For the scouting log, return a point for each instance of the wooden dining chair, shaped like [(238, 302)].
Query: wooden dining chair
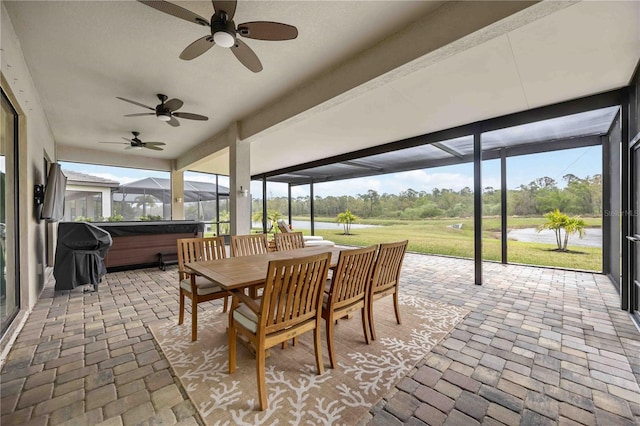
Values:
[(386, 278), (283, 227), (290, 306), (286, 229), (247, 245), (348, 291), (197, 288), (289, 241)]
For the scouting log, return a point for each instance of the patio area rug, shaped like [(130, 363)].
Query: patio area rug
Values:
[(297, 396)]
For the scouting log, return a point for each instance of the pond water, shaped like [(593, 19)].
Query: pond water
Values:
[(305, 224), (592, 237)]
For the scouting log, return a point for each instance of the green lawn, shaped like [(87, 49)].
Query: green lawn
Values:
[(434, 236)]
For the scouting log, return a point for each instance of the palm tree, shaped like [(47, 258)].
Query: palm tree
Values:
[(558, 222), (272, 219), (573, 225), (223, 222), (142, 201), (346, 218)]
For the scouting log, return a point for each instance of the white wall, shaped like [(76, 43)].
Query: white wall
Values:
[(35, 143), (104, 191)]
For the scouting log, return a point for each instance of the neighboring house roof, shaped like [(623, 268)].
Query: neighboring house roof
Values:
[(83, 179)]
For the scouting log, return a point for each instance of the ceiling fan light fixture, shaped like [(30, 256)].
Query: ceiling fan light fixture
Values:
[(164, 117), (223, 38)]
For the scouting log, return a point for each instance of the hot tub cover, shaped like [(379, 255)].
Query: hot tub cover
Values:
[(80, 254), (127, 229)]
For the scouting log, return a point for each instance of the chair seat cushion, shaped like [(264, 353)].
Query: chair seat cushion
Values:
[(315, 243), (246, 317), (203, 285)]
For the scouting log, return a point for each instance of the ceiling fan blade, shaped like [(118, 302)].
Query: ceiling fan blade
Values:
[(174, 104), (177, 11), (117, 143), (197, 48), (246, 56), (155, 143), (225, 6), (140, 114), (135, 103), (130, 141), (190, 116), (173, 122), (153, 147), (263, 30)]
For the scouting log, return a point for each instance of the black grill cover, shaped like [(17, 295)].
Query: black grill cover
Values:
[(80, 254)]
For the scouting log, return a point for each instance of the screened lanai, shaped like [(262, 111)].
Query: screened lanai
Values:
[(587, 122), (153, 196)]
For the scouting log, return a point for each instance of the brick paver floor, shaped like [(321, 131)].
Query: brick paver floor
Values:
[(540, 346)]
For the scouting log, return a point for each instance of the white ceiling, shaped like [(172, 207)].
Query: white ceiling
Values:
[(342, 85)]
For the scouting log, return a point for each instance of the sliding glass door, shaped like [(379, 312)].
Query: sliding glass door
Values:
[(634, 228), (9, 283)]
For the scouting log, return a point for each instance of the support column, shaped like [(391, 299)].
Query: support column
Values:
[(264, 205), (177, 194), (626, 287), (289, 210), (312, 208), (239, 179), (217, 218), (477, 206), (106, 202), (503, 204)]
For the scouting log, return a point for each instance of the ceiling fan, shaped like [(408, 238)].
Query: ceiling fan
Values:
[(224, 32), (136, 143), (166, 110)]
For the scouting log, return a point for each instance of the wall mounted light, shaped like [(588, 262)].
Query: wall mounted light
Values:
[(243, 192), (38, 194)]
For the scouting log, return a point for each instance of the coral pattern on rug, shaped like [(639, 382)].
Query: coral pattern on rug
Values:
[(297, 395)]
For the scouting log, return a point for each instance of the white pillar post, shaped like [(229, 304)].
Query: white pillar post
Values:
[(177, 194), (239, 181)]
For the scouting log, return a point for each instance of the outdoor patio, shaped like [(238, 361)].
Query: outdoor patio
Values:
[(540, 346)]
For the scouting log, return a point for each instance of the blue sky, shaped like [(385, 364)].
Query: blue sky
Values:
[(581, 162)]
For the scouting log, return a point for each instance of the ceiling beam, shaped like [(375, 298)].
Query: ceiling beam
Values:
[(203, 151), (454, 27), (362, 165), (93, 156), (447, 149)]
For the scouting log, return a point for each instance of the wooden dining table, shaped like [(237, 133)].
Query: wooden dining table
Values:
[(237, 273)]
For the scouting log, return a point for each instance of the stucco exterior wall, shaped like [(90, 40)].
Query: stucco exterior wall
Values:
[(35, 144)]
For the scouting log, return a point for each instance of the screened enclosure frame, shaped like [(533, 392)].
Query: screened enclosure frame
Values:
[(475, 142), (160, 188)]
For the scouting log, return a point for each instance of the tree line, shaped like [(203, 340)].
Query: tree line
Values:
[(580, 196)]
